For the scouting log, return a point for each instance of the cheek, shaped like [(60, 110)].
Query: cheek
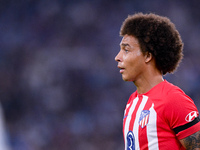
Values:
[(131, 60), (138, 54), (136, 65)]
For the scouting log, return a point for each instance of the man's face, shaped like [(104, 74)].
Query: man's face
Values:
[(130, 58)]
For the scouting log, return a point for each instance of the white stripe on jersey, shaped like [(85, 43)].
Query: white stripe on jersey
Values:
[(136, 124), (152, 130), (151, 127), (126, 128), (126, 109)]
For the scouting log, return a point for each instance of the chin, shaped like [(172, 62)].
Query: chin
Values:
[(125, 79)]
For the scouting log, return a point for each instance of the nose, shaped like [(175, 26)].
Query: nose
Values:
[(118, 57)]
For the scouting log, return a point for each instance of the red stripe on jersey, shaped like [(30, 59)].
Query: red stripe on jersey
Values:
[(134, 114), (143, 142), (126, 115)]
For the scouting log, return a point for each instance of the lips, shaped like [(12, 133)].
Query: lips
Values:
[(121, 69)]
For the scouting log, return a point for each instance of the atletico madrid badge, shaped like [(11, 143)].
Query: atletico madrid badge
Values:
[(144, 118)]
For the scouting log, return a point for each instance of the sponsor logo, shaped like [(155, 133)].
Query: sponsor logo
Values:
[(144, 118), (130, 141), (191, 116)]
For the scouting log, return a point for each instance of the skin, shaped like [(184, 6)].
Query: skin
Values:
[(140, 68), (137, 67), (192, 142)]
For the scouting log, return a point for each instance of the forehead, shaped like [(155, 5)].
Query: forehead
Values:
[(129, 40)]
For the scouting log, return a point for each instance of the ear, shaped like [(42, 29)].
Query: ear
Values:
[(148, 57)]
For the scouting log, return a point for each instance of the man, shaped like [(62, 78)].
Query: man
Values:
[(158, 115)]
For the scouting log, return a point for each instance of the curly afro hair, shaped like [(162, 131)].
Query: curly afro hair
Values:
[(158, 36)]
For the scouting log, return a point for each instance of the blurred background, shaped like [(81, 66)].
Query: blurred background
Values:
[(60, 88)]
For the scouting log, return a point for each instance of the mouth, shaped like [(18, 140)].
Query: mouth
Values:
[(121, 69)]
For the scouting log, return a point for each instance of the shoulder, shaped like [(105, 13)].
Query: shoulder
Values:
[(172, 94), (174, 98), (174, 104), (164, 91), (172, 89), (177, 106)]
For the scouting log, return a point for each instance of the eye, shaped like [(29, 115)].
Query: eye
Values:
[(126, 51)]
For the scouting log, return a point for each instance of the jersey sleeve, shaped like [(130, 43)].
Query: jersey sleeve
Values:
[(181, 114)]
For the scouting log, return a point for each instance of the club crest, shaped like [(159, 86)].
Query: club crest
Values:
[(144, 118)]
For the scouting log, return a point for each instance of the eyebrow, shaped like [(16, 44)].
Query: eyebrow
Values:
[(124, 45)]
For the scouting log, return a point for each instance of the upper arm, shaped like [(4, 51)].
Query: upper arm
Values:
[(192, 142)]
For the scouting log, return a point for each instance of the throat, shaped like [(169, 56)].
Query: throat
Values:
[(146, 85)]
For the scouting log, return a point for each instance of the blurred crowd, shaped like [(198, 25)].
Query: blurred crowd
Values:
[(60, 88)]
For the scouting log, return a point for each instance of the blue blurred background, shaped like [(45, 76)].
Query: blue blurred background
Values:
[(60, 87)]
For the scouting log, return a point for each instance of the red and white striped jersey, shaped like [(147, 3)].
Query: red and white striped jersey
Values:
[(158, 119)]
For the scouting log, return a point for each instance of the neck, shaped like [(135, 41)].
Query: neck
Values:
[(147, 82)]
